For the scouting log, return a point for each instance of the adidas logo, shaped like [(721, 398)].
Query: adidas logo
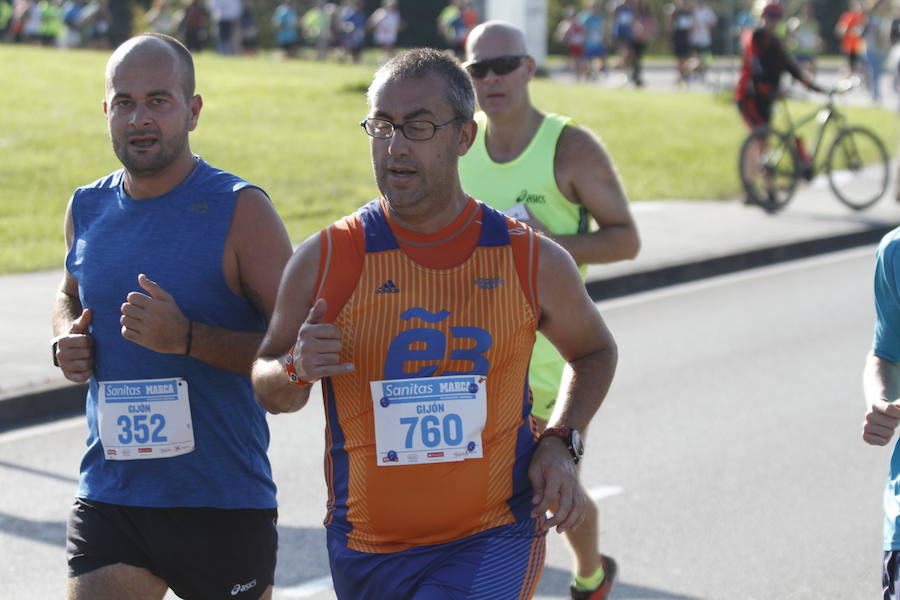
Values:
[(388, 287)]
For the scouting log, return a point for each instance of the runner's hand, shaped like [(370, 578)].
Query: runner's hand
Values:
[(317, 353), (881, 421), (154, 321), (75, 350), (556, 487)]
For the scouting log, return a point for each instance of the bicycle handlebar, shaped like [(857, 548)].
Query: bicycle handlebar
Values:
[(845, 85)]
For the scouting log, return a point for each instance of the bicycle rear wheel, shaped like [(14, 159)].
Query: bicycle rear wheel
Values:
[(857, 167), (768, 166)]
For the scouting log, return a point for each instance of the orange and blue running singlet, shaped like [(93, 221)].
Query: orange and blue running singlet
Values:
[(451, 470), (404, 321)]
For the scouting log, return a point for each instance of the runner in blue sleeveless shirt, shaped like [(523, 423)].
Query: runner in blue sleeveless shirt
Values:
[(171, 275)]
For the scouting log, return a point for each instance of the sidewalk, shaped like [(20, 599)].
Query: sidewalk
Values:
[(682, 241)]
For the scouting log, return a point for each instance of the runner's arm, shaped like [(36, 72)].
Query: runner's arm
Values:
[(67, 305), (73, 345), (571, 322), (262, 248), (586, 175), (881, 387), (793, 68), (881, 375), (256, 249), (297, 327)]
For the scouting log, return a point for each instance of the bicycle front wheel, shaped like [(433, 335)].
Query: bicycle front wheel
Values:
[(768, 167), (857, 167)]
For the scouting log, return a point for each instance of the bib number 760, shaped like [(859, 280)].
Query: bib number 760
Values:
[(433, 431)]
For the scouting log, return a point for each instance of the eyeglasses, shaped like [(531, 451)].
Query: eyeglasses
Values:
[(416, 131), (500, 66)]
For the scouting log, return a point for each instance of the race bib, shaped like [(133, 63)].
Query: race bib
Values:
[(145, 418), (518, 211), (429, 419)]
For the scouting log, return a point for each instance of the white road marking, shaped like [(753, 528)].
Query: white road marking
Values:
[(604, 491), (646, 207), (304, 590)]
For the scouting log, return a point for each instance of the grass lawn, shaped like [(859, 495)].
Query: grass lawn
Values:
[(291, 127)]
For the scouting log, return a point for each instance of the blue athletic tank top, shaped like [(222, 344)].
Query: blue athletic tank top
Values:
[(177, 240)]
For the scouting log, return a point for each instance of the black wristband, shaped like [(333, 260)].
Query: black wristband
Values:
[(190, 337), (53, 347)]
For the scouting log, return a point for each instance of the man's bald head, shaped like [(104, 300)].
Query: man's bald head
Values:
[(498, 38), (158, 50)]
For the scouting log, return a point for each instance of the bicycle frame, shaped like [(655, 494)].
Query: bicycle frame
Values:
[(824, 114)]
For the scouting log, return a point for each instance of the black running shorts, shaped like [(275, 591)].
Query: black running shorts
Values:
[(754, 111), (199, 552), (890, 578)]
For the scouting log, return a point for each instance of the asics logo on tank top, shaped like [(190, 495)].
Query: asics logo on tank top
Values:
[(524, 196)]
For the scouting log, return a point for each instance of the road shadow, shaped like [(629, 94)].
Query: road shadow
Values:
[(41, 472), (555, 582), (302, 555), (47, 532)]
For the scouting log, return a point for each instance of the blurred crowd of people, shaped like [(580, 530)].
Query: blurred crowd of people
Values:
[(602, 35), (870, 40), (622, 29), (597, 35), (228, 26), (72, 23)]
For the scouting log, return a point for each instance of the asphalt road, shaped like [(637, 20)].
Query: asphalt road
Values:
[(727, 461)]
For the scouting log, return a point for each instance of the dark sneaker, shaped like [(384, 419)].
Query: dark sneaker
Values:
[(606, 586)]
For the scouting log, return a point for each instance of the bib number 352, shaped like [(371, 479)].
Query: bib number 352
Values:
[(146, 418)]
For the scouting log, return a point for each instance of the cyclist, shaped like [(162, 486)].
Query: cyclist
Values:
[(765, 60)]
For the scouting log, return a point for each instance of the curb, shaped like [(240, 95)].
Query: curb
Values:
[(45, 403), (644, 281)]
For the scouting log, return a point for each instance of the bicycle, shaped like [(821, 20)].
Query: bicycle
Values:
[(772, 161)]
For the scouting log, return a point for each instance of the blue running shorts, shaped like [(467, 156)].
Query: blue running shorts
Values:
[(500, 563)]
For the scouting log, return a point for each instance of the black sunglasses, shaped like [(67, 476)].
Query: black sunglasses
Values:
[(500, 66)]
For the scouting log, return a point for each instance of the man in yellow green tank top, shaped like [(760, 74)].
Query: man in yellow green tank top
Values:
[(557, 177)]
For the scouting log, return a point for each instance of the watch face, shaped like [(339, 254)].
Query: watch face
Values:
[(577, 444)]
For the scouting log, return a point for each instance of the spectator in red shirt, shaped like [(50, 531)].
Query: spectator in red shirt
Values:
[(849, 29)]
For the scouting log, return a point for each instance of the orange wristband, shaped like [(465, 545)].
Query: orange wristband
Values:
[(291, 371)]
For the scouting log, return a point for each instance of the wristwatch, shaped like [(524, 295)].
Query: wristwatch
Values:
[(570, 436), (54, 343)]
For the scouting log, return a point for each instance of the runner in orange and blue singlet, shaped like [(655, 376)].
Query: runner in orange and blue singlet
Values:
[(418, 313), (401, 318)]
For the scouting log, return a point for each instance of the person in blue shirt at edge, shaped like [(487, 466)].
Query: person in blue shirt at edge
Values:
[(171, 274), (881, 388)]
